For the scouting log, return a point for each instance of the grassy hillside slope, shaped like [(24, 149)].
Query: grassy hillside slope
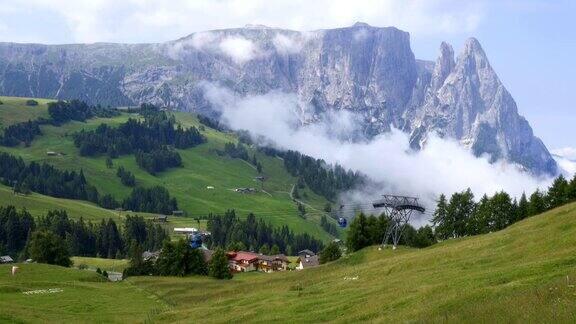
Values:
[(77, 296), (38, 205), (203, 167), (524, 273), (14, 110)]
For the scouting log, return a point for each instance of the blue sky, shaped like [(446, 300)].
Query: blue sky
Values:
[(531, 44)]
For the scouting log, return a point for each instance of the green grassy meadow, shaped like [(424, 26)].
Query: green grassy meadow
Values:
[(80, 296), (203, 168), (13, 110), (523, 274), (117, 265)]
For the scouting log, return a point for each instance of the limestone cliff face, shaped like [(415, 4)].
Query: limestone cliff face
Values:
[(368, 70), (466, 100)]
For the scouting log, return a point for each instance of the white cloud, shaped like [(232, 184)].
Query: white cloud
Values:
[(565, 152), (568, 166), (239, 49), (566, 159), (3, 27), (203, 39), (443, 166), (147, 20), (286, 44)]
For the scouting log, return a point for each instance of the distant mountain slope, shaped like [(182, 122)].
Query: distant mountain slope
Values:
[(368, 70), (204, 184)]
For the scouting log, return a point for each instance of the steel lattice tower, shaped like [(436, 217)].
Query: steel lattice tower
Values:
[(398, 210)]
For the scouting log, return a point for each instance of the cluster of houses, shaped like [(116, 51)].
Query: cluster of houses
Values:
[(248, 261), (243, 261)]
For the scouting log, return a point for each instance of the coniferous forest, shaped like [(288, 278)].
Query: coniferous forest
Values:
[(325, 180), (48, 180), (256, 235), (462, 216), (60, 112), (106, 239), (151, 140)]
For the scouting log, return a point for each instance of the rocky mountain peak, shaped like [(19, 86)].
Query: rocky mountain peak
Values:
[(472, 46), (369, 71), (444, 65), (473, 56), (361, 24)]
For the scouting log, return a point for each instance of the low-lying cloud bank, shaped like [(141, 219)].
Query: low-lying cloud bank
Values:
[(443, 166), (566, 159)]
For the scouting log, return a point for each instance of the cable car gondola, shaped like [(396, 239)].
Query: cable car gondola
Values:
[(196, 240), (342, 222)]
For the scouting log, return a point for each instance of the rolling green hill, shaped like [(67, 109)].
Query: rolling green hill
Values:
[(525, 273), (202, 168)]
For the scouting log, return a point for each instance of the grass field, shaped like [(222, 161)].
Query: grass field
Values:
[(38, 205), (525, 273), (117, 265), (13, 110), (203, 167), (78, 296)]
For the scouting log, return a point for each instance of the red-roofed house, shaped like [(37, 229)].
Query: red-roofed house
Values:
[(242, 261)]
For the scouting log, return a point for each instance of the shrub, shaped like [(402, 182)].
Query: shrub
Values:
[(47, 247), (330, 253), (31, 102), (219, 265)]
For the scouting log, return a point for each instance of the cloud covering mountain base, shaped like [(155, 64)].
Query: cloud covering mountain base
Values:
[(442, 166)]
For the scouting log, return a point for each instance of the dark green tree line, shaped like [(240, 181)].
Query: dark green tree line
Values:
[(255, 233), (462, 216)]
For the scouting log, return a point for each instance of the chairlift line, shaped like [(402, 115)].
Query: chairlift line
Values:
[(398, 210)]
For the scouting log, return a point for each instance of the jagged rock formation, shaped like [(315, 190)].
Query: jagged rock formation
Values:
[(368, 70)]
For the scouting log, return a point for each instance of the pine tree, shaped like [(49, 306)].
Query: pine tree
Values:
[(501, 211), (440, 219), (571, 192), (460, 209), (219, 268), (480, 222), (557, 193), (537, 204), (523, 206), (357, 234)]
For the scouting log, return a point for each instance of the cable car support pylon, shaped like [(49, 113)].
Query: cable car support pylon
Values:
[(398, 210)]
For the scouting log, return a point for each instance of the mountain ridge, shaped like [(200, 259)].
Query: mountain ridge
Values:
[(370, 71)]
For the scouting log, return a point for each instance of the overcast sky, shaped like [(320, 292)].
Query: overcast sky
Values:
[(531, 43)]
